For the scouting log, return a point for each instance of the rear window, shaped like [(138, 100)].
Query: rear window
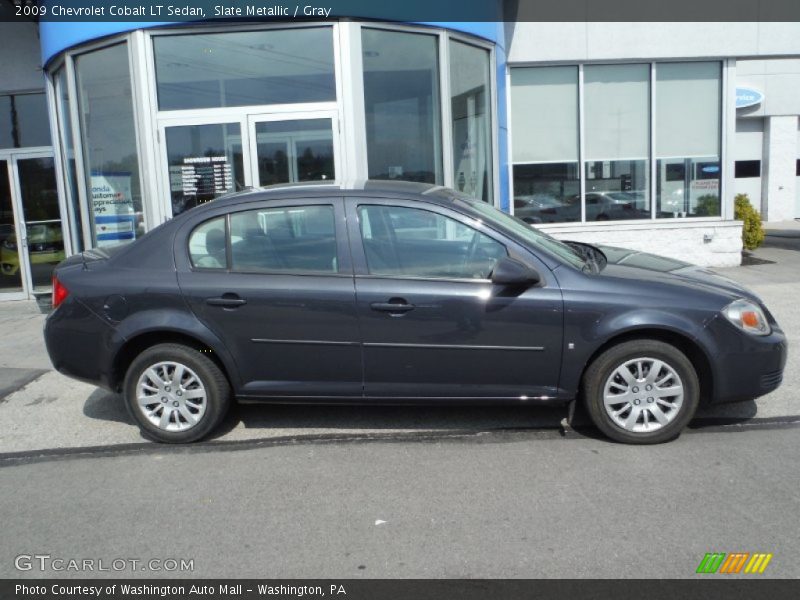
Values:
[(295, 239), (207, 246)]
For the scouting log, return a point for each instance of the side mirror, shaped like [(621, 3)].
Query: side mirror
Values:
[(511, 272)]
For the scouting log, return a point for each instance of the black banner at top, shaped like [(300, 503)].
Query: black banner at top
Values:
[(166, 11)]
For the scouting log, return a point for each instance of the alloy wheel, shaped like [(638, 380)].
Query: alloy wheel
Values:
[(643, 395), (171, 396)]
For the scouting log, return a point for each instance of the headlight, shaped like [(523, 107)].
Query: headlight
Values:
[(747, 316)]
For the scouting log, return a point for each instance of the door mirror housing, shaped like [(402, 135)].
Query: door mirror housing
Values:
[(511, 272)]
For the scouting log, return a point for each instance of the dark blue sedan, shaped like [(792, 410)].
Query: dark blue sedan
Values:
[(389, 292)]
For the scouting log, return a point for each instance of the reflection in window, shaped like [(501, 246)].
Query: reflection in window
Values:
[(617, 124), (402, 106), (544, 112), (10, 276), (207, 245), (39, 196), (205, 162), (298, 239), (24, 121), (688, 139), (410, 242), (244, 68), (472, 139), (109, 145), (294, 150), (68, 152)]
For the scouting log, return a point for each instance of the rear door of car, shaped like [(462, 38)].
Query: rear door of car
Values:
[(432, 323), (274, 281)]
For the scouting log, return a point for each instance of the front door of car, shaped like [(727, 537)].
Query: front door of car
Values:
[(275, 283), (432, 323)]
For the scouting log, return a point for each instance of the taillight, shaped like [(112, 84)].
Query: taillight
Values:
[(60, 293)]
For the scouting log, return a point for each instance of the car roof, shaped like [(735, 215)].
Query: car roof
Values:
[(365, 187)]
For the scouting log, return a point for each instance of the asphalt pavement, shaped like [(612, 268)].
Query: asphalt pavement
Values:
[(525, 504)]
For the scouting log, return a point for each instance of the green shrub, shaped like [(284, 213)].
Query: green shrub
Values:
[(753, 230)]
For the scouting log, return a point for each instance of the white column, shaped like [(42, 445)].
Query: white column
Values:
[(778, 179)]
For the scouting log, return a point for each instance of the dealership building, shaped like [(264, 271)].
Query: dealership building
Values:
[(637, 135)]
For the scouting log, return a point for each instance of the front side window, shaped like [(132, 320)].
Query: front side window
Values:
[(207, 245), (294, 239), (409, 242)]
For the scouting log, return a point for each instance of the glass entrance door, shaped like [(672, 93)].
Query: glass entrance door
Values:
[(31, 235), (208, 157), (292, 150)]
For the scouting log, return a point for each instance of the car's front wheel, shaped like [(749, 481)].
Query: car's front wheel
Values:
[(175, 393), (641, 392)]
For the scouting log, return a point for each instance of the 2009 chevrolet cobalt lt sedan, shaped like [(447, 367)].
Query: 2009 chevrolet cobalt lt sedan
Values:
[(400, 293)]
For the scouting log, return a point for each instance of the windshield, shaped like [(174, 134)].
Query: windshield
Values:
[(535, 237)]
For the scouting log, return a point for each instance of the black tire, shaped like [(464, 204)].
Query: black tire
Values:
[(217, 391), (599, 372)]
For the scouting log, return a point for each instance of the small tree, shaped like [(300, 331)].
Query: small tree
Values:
[(752, 230)]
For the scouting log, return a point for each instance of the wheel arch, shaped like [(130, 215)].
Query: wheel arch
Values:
[(134, 346), (693, 351)]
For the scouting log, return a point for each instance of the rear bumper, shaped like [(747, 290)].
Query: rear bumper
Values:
[(78, 342), (747, 366)]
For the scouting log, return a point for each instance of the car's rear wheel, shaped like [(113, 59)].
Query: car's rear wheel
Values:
[(175, 393), (641, 392)]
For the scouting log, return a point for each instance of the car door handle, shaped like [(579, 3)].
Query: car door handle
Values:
[(392, 307), (227, 301)]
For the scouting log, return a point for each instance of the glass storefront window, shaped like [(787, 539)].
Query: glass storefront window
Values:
[(110, 156), (245, 68), (617, 125), (10, 275), (294, 150), (544, 113), (471, 117), (402, 105), (24, 121), (688, 139), (205, 161), (68, 150)]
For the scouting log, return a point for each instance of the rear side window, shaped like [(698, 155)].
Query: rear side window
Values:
[(295, 239), (410, 242), (207, 246)]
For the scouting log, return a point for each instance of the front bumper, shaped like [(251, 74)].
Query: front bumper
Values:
[(746, 366)]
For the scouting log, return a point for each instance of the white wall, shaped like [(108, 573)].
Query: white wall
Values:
[(778, 171), (709, 244), (20, 68), (540, 41), (777, 78)]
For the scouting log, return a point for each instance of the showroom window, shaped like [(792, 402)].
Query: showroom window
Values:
[(614, 124), (544, 105), (402, 105), (24, 121), (470, 102), (110, 154), (68, 149), (688, 139), (282, 66)]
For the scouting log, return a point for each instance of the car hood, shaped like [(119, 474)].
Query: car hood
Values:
[(670, 269)]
